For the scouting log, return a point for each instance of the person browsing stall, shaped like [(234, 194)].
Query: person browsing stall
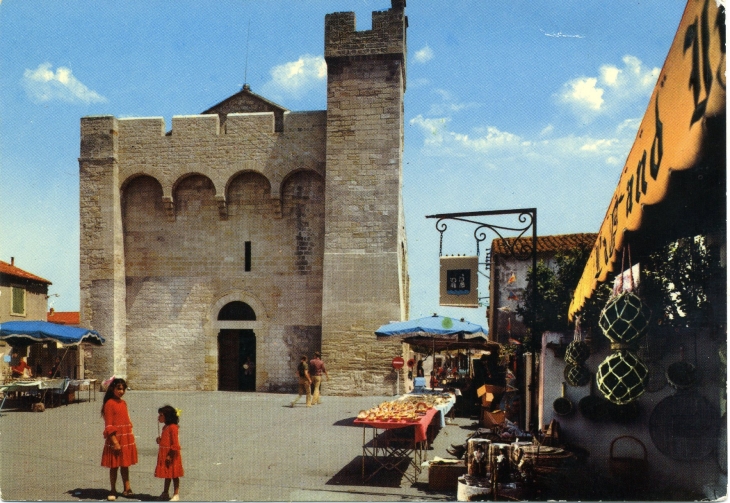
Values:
[(305, 382), (316, 369), (56, 368), (22, 369)]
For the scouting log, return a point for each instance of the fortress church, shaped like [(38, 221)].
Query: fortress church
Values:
[(215, 254)]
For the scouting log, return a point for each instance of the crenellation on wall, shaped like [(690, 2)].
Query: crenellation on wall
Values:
[(195, 126), (386, 37), (141, 127)]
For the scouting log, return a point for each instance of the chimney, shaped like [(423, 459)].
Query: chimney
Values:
[(12, 261)]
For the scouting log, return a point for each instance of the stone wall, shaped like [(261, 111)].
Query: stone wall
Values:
[(101, 242), (364, 281)]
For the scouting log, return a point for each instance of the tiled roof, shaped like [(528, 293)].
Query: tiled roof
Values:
[(64, 317), (548, 243), (11, 270)]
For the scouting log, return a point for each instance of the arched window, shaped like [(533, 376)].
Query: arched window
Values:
[(237, 310)]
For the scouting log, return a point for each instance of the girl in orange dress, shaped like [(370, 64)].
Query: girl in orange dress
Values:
[(169, 463), (120, 450)]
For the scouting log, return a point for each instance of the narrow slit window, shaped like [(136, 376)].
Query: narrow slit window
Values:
[(247, 256)]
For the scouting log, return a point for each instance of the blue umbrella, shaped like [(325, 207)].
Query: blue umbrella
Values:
[(24, 333), (432, 326)]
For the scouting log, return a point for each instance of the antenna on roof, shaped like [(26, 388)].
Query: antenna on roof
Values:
[(245, 69)]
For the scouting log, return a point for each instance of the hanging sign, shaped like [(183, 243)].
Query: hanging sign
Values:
[(458, 281)]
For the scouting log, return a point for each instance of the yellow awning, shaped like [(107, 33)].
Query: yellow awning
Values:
[(672, 135)]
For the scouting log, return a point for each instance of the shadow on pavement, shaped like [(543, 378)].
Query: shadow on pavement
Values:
[(101, 495), (351, 474), (346, 422)]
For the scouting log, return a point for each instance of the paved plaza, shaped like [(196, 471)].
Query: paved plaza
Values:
[(236, 446)]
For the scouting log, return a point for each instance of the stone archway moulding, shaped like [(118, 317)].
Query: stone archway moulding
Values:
[(252, 301), (212, 326)]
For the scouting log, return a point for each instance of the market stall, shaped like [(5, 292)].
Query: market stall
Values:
[(32, 386), (447, 336), (21, 334), (401, 431)]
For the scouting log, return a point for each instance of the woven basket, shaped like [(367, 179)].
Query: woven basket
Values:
[(628, 470)]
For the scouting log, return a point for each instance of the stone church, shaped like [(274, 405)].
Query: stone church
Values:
[(214, 254)]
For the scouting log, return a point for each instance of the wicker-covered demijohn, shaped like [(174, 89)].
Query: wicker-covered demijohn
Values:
[(577, 375), (621, 377), (625, 318)]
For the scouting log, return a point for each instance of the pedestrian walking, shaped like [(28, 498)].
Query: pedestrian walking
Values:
[(169, 461), (305, 381), (120, 450), (316, 369)]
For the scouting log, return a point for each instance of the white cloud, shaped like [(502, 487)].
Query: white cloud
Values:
[(560, 34), (614, 91), (423, 55), (609, 75), (448, 104), (44, 84), (583, 93), (630, 126), (433, 129), (494, 147), (596, 145), (488, 139), (295, 78), (547, 130)]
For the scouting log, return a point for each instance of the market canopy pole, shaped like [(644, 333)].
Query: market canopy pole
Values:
[(686, 108)]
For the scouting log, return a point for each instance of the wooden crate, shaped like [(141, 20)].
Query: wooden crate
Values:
[(444, 477), (487, 393), (492, 418)]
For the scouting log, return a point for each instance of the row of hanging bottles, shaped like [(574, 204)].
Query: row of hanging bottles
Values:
[(621, 377)]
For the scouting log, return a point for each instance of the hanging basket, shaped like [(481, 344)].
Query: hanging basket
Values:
[(629, 470), (577, 352), (625, 318), (621, 377), (577, 375)]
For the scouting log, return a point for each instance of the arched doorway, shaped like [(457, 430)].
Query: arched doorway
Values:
[(236, 350)]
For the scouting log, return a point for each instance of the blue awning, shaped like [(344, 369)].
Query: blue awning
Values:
[(23, 333), (431, 326)]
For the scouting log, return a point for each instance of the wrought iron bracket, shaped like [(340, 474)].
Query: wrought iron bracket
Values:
[(519, 249)]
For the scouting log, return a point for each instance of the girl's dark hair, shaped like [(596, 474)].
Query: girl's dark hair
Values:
[(110, 391), (170, 414)]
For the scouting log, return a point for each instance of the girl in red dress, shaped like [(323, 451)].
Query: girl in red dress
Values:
[(120, 450), (169, 463)]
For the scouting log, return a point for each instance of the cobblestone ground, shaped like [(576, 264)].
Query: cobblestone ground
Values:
[(236, 446)]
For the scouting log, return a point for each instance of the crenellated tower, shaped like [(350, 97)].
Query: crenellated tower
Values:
[(365, 273)]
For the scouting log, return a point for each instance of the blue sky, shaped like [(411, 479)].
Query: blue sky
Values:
[(508, 104)]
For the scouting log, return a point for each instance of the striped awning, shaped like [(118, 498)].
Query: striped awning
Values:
[(688, 101)]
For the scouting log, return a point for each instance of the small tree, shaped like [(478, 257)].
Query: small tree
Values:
[(554, 292), (675, 282)]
